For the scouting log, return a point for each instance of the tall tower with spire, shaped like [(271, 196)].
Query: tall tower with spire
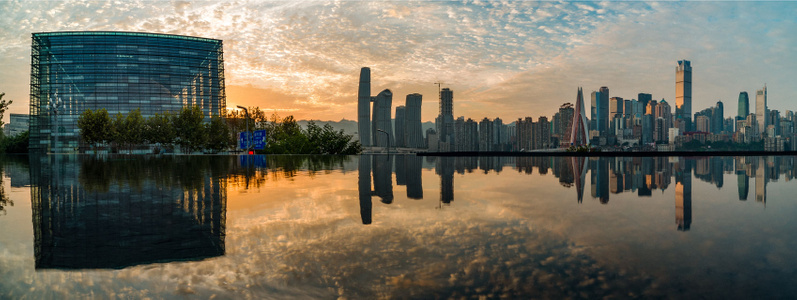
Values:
[(683, 93), (578, 131)]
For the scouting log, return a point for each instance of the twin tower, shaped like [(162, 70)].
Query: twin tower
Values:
[(378, 132)]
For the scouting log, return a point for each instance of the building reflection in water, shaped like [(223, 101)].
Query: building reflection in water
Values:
[(607, 176), (115, 212)]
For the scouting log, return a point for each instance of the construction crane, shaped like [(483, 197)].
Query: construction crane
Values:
[(438, 88)]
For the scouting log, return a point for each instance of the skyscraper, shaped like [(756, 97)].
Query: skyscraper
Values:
[(683, 93), (414, 130), (364, 107), (578, 132), (744, 106), (401, 126), (761, 113), (603, 110), (644, 98), (445, 121), (717, 118), (382, 104)]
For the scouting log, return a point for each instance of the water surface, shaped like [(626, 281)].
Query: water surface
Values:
[(397, 227)]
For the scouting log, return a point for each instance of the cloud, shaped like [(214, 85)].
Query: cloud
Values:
[(528, 56)]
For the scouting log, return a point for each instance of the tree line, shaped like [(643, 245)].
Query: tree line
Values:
[(188, 129)]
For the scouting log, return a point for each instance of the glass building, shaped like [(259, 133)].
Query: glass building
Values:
[(119, 71)]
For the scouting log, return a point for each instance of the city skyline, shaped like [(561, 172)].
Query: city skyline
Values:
[(507, 60)]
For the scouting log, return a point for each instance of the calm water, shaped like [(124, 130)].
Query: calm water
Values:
[(397, 227)]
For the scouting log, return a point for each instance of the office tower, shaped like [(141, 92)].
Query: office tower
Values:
[(485, 134), (401, 126), (717, 118), (651, 108), (615, 107), (603, 110), (364, 107), (683, 93), (647, 128), (761, 109), (773, 117), (628, 108), (644, 98), (120, 72), (593, 114), (578, 132), (664, 111), (382, 129), (744, 106), (414, 130)]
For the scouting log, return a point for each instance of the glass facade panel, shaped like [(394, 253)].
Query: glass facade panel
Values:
[(118, 71)]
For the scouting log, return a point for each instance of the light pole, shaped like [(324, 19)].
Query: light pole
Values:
[(388, 139), (248, 135)]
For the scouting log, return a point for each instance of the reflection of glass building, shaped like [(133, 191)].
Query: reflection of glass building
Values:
[(118, 71), (94, 213)]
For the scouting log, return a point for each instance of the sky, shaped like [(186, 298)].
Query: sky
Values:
[(507, 59)]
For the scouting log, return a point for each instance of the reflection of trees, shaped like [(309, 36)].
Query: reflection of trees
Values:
[(5, 201)]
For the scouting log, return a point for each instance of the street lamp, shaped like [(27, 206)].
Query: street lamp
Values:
[(248, 135), (388, 139)]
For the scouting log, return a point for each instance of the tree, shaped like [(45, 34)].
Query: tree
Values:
[(134, 128), (94, 126), (159, 129), (115, 135), (4, 105), (218, 135), (190, 129)]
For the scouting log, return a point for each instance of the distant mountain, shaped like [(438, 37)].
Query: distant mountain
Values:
[(350, 127)]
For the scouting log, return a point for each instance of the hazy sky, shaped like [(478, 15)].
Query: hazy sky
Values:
[(506, 59)]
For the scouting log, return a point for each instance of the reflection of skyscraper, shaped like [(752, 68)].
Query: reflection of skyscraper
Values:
[(413, 166), (599, 173), (761, 182), (579, 168), (364, 107), (683, 195), (445, 168), (126, 212), (743, 182), (364, 187), (578, 132), (383, 177)]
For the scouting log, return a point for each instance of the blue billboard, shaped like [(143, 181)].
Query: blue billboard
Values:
[(259, 139)]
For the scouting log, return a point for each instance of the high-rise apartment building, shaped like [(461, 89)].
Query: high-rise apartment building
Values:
[(761, 109), (683, 93), (445, 120), (401, 126), (414, 130)]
